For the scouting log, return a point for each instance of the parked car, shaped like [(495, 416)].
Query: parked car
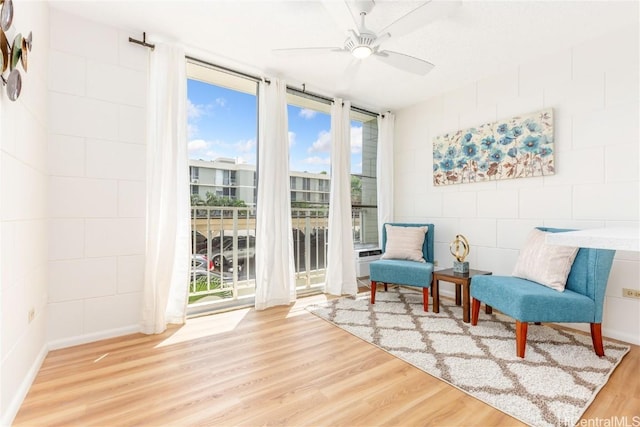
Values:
[(198, 243), (201, 262), (222, 251), (200, 266)]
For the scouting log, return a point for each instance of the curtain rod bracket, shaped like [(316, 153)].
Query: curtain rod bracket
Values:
[(142, 42)]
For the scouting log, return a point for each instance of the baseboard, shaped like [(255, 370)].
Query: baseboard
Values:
[(606, 332), (21, 393), (584, 327), (87, 338), (617, 335), (14, 406)]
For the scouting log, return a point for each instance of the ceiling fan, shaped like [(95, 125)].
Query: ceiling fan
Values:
[(362, 42)]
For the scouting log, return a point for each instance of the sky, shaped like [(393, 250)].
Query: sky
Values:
[(222, 123)]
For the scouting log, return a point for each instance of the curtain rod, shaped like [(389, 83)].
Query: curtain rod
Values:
[(364, 111), (302, 91), (226, 70), (142, 42), (326, 100)]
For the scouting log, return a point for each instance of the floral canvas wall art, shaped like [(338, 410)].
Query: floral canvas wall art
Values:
[(519, 147)]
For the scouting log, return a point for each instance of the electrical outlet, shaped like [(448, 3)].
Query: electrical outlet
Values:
[(32, 314), (435, 263), (630, 293)]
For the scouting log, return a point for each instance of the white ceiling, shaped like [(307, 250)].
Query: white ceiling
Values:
[(478, 39)]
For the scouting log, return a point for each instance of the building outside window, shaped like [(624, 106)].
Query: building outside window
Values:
[(194, 173)]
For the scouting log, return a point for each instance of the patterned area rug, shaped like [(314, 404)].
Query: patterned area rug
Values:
[(552, 386)]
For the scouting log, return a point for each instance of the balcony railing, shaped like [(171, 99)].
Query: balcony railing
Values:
[(224, 251)]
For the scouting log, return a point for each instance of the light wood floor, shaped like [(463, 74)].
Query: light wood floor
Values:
[(281, 366)]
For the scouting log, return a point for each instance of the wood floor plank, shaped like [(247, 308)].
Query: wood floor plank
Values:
[(282, 366)]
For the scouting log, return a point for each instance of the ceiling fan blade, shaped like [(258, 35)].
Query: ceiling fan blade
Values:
[(307, 50), (404, 62), (379, 39), (341, 14), (424, 14), (349, 76)]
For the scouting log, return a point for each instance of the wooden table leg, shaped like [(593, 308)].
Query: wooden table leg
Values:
[(465, 302), (435, 293), (457, 293)]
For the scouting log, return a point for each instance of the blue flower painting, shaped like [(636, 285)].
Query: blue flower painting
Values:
[(518, 147)]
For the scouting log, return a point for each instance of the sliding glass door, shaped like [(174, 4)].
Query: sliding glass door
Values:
[(223, 126)]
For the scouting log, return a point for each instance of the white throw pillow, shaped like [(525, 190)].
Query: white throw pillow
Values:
[(405, 242), (546, 264)]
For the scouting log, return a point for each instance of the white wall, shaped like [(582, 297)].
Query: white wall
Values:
[(72, 194), (594, 91), (97, 97), (23, 212)]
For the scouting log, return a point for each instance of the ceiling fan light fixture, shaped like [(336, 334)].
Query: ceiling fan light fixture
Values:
[(361, 52), (360, 45)]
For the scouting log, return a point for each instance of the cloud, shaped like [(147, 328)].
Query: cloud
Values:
[(316, 160), (322, 144), (201, 149), (307, 113), (192, 130), (247, 146), (197, 145), (195, 111), (292, 139)]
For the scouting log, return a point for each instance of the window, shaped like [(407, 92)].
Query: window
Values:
[(194, 172), (323, 184), (222, 136), (222, 146), (364, 196), (309, 145), (222, 133), (309, 164), (310, 156)]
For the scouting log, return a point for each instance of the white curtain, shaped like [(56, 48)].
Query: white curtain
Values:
[(275, 274), (384, 171), (340, 276), (167, 236)]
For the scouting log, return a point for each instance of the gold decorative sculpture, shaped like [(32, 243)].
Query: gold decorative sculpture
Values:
[(461, 246)]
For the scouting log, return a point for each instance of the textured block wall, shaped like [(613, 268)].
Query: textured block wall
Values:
[(97, 98), (593, 88)]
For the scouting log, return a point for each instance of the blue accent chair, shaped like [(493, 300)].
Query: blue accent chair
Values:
[(404, 272), (527, 301)]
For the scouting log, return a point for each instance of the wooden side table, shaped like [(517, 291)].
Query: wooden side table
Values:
[(460, 280)]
